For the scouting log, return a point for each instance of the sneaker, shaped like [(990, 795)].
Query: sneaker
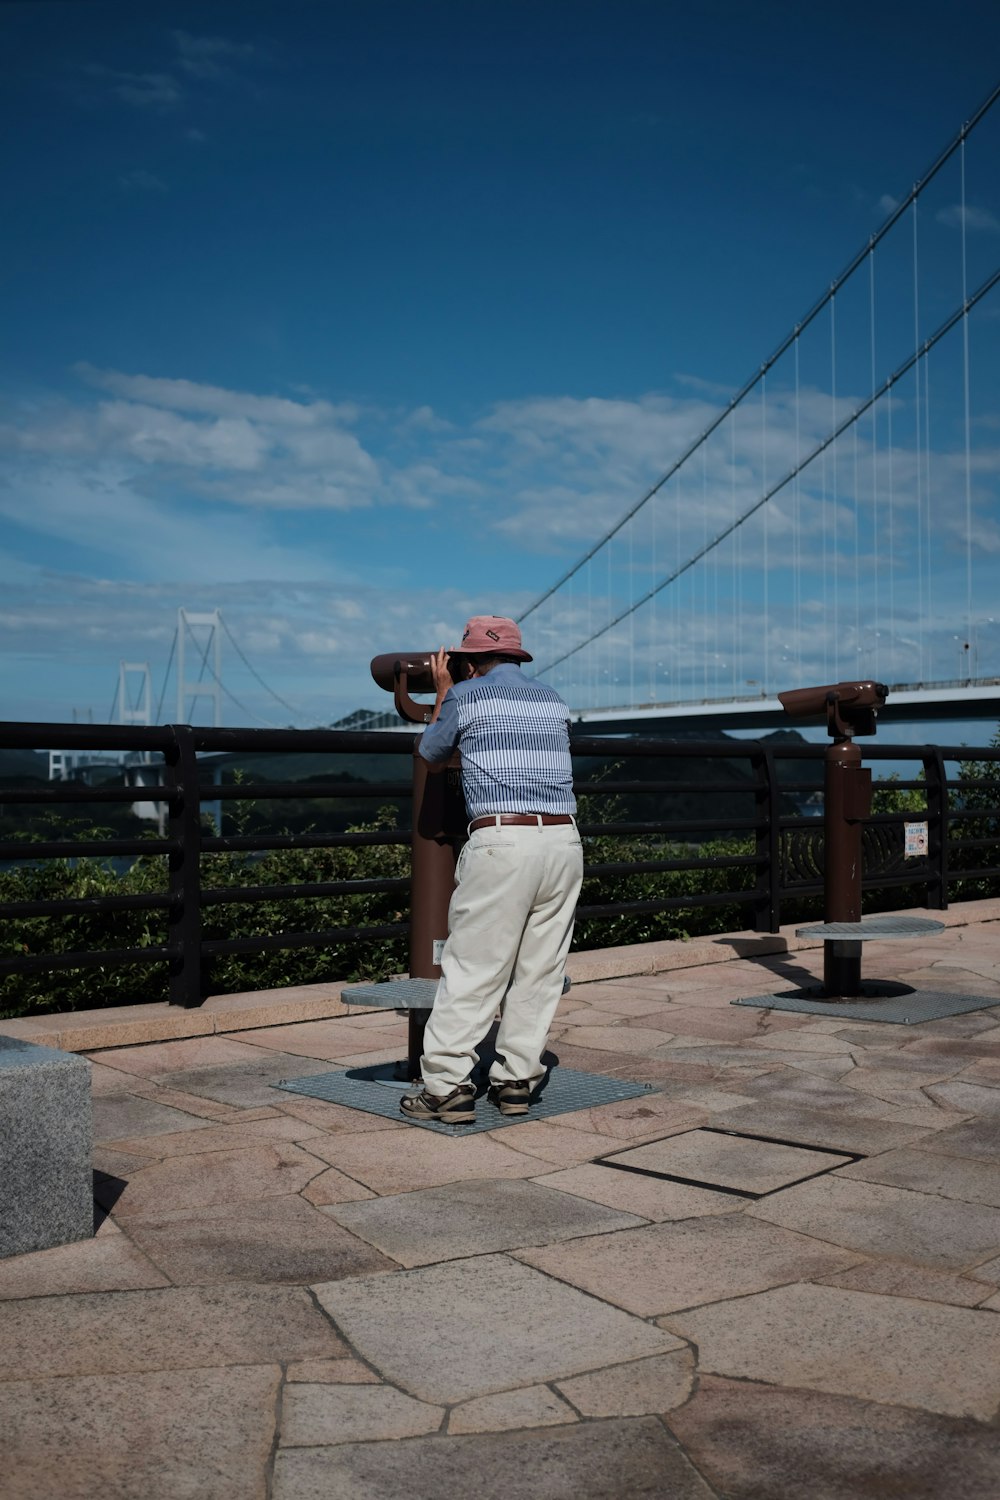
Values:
[(456, 1108), (513, 1097)]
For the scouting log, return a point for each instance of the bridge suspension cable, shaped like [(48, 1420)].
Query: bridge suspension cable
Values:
[(863, 255), (840, 571), (775, 489)]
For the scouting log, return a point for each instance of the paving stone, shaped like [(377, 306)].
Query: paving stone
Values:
[(334, 1119), (157, 1058), (631, 1457), (245, 1084), (534, 1406), (725, 1057), (672, 1265), (716, 1101), (372, 1058), (179, 1328), (276, 1240), (472, 1218), (987, 1071), (814, 1127), (639, 1389), (929, 1172), (622, 1037), (591, 1015), (635, 1119), (204, 1109), (217, 1137), (649, 1197), (885, 1349), (331, 1372), (114, 1163), (796, 1089), (332, 1186), (527, 1328), (987, 1270), (317, 1415), (723, 1025), (614, 999), (214, 1177), (429, 1159), (966, 1098), (106, 1263), (756, 1442), (805, 1040), (897, 1279), (554, 1141), (140, 1436), (111, 1080), (978, 1139), (332, 1039), (960, 1049), (861, 1035), (728, 1161), (124, 1116), (881, 1220)]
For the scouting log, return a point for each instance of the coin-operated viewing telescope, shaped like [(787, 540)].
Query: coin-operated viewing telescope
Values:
[(438, 830), (849, 708), (404, 672)]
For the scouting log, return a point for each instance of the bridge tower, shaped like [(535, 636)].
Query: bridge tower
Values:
[(209, 647)]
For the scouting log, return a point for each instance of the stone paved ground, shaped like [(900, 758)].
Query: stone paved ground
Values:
[(291, 1299)]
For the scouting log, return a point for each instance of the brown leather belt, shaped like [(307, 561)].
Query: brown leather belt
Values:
[(521, 820)]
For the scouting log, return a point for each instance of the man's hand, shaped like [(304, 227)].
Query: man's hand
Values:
[(442, 678)]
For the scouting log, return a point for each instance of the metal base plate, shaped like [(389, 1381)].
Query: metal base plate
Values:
[(908, 1008), (563, 1091)]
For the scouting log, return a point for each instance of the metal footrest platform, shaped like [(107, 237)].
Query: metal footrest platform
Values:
[(873, 927), (392, 994), (401, 994), (563, 1091), (878, 1001)]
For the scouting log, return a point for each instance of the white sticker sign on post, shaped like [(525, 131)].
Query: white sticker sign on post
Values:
[(914, 840)]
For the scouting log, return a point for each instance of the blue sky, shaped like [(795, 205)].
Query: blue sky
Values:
[(353, 319)]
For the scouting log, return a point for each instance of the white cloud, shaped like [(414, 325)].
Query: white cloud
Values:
[(155, 91), (980, 220), (141, 181), (190, 396), (209, 56)]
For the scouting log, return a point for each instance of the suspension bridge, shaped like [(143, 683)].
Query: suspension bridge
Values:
[(838, 517)]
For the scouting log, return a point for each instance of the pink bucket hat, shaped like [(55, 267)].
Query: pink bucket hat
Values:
[(492, 634)]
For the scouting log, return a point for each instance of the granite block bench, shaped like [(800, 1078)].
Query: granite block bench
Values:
[(46, 1147)]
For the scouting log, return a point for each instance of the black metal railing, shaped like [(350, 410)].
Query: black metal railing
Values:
[(761, 799)]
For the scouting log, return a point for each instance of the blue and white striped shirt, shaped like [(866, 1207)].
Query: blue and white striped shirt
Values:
[(513, 736)]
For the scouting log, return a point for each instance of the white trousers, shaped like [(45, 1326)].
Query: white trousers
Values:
[(510, 923)]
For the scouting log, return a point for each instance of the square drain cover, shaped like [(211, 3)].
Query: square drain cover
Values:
[(744, 1165), (377, 1092)]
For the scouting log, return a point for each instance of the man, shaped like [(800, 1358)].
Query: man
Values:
[(517, 880)]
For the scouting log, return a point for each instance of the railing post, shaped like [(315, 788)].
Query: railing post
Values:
[(936, 781), (767, 908), (184, 826)]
